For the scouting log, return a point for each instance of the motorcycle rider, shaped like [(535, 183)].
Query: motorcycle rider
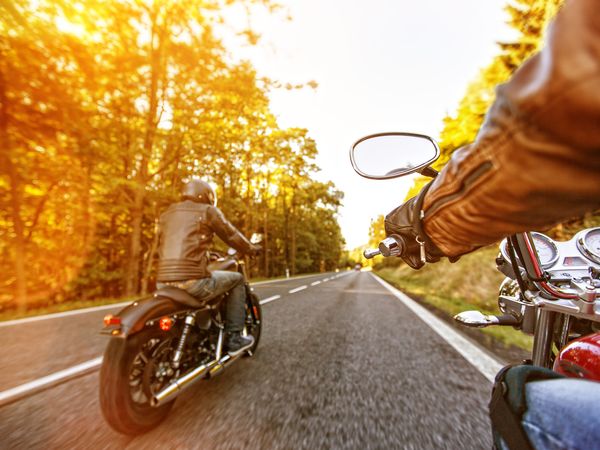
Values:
[(186, 232), (535, 162)]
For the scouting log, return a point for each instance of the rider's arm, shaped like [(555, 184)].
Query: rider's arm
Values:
[(536, 160), (227, 232)]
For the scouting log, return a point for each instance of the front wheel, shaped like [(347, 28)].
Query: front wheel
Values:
[(253, 324), (132, 370)]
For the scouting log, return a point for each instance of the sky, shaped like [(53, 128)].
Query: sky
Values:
[(382, 65)]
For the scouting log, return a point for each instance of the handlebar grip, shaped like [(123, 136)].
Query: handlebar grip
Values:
[(393, 245), (371, 253)]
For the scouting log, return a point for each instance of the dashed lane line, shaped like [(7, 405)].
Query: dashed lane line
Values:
[(270, 299), (8, 323), (314, 283), (298, 289), (62, 376)]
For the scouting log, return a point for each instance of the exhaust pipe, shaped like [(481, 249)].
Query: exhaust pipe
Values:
[(177, 386)]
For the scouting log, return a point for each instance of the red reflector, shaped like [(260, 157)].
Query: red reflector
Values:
[(255, 311), (109, 319), (165, 323)]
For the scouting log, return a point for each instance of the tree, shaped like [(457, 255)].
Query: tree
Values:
[(530, 18)]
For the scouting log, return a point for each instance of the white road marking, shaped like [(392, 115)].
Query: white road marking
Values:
[(314, 283), (49, 381), (482, 361), (325, 279), (298, 289), (63, 314), (270, 299), (62, 376), (278, 280), (113, 305)]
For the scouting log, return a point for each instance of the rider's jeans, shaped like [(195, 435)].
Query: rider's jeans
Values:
[(219, 282), (563, 414)]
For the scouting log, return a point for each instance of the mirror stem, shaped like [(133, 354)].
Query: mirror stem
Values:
[(429, 172)]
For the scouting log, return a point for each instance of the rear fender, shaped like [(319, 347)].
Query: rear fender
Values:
[(135, 316)]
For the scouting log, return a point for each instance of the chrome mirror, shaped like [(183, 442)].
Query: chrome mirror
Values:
[(390, 155)]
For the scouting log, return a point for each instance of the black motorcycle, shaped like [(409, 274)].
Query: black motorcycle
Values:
[(163, 344)]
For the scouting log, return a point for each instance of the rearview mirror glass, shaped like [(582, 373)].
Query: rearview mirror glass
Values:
[(390, 155)]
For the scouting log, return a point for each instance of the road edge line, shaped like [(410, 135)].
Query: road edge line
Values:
[(59, 315), (41, 384), (482, 361)]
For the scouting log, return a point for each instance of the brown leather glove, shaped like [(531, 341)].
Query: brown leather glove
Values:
[(405, 222)]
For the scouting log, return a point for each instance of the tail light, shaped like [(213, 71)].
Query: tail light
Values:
[(109, 319), (165, 323)]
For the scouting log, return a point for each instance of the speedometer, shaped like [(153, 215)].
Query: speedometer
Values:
[(589, 244), (545, 247)]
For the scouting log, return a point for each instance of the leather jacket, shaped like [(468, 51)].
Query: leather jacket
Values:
[(536, 159), (186, 232)]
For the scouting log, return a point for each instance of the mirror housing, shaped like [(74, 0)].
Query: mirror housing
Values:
[(383, 156)]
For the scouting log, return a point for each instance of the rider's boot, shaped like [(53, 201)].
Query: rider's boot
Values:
[(236, 343)]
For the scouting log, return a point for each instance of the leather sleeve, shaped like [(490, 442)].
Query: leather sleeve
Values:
[(227, 232), (536, 159)]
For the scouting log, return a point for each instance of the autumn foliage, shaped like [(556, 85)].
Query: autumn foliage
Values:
[(105, 107)]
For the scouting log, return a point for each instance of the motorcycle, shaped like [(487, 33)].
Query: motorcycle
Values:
[(551, 288), (162, 345)]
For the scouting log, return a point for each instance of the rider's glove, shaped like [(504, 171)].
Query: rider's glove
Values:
[(405, 221)]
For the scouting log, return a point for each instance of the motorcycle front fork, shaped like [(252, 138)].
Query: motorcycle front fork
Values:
[(543, 339)]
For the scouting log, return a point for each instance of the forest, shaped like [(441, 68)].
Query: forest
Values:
[(106, 107)]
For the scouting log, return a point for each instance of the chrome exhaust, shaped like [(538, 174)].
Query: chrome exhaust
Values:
[(177, 386)]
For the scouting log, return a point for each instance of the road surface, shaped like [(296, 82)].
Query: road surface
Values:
[(342, 364)]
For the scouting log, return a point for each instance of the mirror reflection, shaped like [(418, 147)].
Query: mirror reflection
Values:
[(392, 155)]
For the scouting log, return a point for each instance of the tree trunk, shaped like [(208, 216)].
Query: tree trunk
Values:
[(16, 196), (266, 241), (293, 234), (135, 248), (19, 238), (150, 258), (286, 234), (137, 213)]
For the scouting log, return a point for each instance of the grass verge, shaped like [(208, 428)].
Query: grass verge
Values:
[(471, 283)]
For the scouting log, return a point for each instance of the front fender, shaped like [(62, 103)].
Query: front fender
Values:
[(134, 316)]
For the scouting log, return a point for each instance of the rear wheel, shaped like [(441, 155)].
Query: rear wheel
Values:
[(253, 324), (132, 370)]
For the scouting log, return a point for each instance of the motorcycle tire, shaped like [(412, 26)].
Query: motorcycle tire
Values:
[(253, 321), (117, 389)]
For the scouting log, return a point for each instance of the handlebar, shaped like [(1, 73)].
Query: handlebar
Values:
[(393, 245)]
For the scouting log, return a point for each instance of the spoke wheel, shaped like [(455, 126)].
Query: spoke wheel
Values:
[(132, 371)]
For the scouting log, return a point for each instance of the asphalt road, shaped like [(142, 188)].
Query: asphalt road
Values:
[(341, 364)]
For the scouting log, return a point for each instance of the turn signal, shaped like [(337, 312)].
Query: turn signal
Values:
[(165, 323), (109, 319)]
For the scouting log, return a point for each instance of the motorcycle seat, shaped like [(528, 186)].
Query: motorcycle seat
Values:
[(179, 295)]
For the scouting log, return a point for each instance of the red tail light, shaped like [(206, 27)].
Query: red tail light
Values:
[(109, 319), (165, 323)]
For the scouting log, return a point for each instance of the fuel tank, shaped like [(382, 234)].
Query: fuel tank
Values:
[(581, 358)]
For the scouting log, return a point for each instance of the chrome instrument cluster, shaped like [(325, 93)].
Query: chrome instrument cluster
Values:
[(573, 256), (588, 243), (546, 249)]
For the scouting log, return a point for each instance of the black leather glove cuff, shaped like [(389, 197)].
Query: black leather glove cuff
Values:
[(405, 221)]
